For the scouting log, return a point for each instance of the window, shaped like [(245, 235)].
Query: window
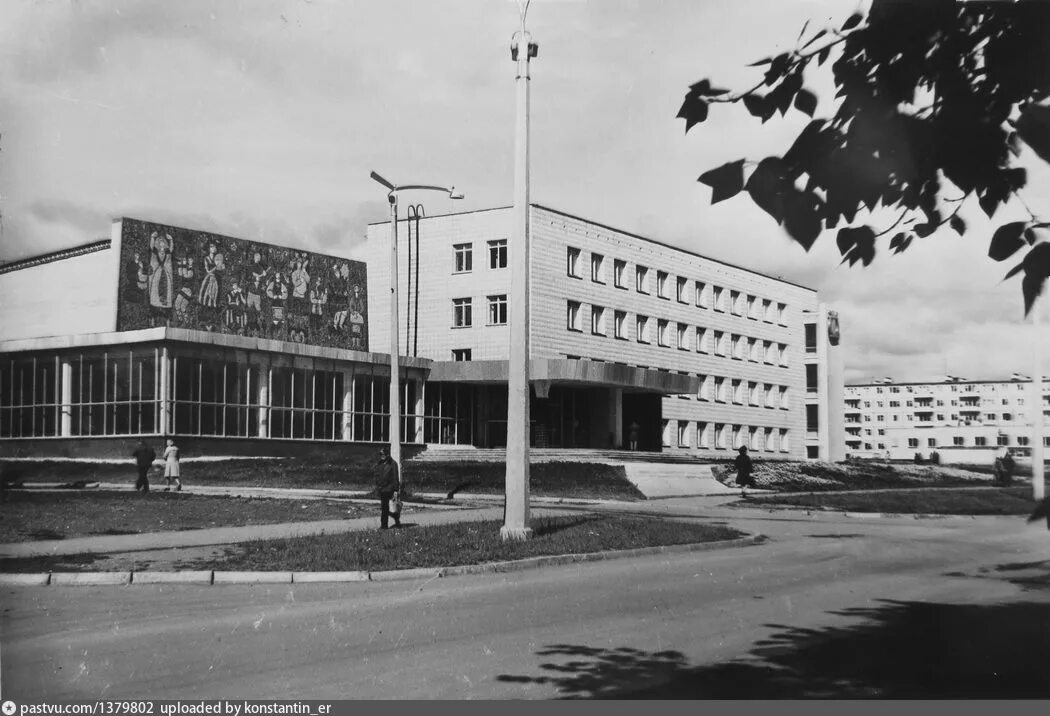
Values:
[(784, 444), (683, 337), (619, 269), (913, 442), (738, 391), (665, 433), (780, 313), (464, 257), (683, 433), (767, 352), (751, 307), (736, 343), (597, 320), (498, 254), (680, 291), (620, 324), (597, 268), (663, 333), (703, 435), (782, 354), (461, 354), (770, 396), (980, 441), (572, 317), (752, 393), (783, 397), (1002, 440), (641, 279), (768, 447), (720, 390), (701, 340), (462, 312), (661, 284), (641, 326), (720, 435), (498, 310), (931, 442), (767, 310), (717, 297), (705, 387), (720, 345), (734, 303), (703, 297), (572, 262), (752, 350)]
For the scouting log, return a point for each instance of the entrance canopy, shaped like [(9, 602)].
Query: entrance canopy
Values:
[(562, 371)]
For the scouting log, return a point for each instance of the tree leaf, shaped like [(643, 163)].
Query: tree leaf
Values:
[(766, 186), (1006, 240), (1036, 268), (1014, 271), (815, 38), (802, 217), (806, 101), (856, 244), (1034, 128), (900, 242), (693, 110), (757, 106), (852, 21), (958, 224), (725, 181), (822, 56)]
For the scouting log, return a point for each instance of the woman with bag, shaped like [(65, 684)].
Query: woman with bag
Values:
[(171, 466), (388, 485)]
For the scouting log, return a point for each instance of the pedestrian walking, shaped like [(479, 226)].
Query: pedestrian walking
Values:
[(632, 435), (388, 485), (744, 468), (144, 456), (171, 466)]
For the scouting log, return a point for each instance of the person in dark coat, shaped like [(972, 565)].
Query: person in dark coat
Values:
[(744, 478), (144, 457), (387, 483)]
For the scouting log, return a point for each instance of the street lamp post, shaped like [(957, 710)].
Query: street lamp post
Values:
[(395, 371), (516, 510)]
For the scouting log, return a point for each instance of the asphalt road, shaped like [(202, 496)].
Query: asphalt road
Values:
[(831, 606)]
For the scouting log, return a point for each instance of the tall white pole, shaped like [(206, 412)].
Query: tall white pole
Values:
[(395, 373), (1037, 421), (516, 517)]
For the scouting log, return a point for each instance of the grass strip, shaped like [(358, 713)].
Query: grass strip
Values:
[(940, 501)]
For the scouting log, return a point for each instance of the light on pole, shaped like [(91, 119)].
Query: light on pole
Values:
[(516, 508), (395, 371)]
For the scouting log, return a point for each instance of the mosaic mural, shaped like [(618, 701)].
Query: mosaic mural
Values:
[(191, 279)]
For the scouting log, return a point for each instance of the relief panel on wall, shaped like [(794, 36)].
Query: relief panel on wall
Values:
[(192, 279)]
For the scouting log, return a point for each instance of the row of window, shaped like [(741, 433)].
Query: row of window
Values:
[(854, 405), (463, 255), (670, 334), (463, 311), (725, 436), (975, 388), (960, 441), (702, 294), (742, 392), (939, 417)]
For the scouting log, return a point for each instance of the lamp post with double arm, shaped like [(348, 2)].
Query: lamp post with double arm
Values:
[(395, 371)]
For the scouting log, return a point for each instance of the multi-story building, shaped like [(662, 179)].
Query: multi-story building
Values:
[(699, 355), (961, 420), (226, 342)]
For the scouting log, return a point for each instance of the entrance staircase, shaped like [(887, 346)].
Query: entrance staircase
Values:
[(654, 474)]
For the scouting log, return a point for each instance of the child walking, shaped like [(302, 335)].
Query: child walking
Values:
[(171, 466)]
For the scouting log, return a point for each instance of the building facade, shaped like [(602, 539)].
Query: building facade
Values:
[(962, 420), (627, 335)]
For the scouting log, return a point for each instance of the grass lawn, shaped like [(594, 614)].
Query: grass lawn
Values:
[(556, 479), (435, 546), (27, 516), (939, 501)]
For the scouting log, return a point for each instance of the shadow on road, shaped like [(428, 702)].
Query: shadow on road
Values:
[(900, 650)]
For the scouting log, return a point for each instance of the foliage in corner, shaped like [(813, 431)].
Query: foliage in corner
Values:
[(932, 101)]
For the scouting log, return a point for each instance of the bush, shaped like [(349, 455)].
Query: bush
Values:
[(918, 458), (935, 458)]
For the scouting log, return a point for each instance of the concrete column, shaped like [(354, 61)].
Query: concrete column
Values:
[(164, 425), (264, 402), (348, 406), (418, 437), (66, 399), (616, 415)]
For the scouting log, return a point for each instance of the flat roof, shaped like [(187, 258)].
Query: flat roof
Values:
[(568, 371), (619, 231)]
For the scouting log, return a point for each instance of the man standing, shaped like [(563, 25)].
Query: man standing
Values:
[(744, 477), (144, 457), (387, 484)]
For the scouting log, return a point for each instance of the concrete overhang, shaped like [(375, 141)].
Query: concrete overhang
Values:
[(580, 373), (206, 338)]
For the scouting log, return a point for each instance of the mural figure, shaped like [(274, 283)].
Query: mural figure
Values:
[(183, 305), (277, 290), (213, 264), (141, 276), (300, 284), (161, 287), (318, 299), (340, 297), (236, 317), (357, 319), (184, 268)]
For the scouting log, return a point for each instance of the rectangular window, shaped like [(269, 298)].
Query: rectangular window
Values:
[(783, 397), (703, 435), (701, 340), (683, 433), (665, 433), (720, 390), (572, 262), (784, 445), (703, 296), (498, 310), (720, 343), (958, 441), (980, 441), (736, 345), (720, 435), (572, 320), (663, 333), (767, 310), (683, 337), (619, 269), (680, 291), (641, 332), (641, 279), (752, 393), (752, 350), (770, 396), (738, 391), (597, 268), (597, 320), (718, 297), (661, 284), (751, 307), (734, 303), (461, 354), (498, 254), (620, 324), (705, 388), (462, 312), (781, 308), (782, 354), (464, 257)]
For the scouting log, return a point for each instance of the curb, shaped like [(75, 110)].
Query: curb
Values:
[(206, 577)]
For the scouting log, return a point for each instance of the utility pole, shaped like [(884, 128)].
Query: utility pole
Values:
[(1037, 421)]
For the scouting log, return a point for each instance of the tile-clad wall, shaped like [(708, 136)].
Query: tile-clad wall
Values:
[(438, 285), (553, 288), (68, 296)]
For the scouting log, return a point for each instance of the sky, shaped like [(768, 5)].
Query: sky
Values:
[(262, 119)]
